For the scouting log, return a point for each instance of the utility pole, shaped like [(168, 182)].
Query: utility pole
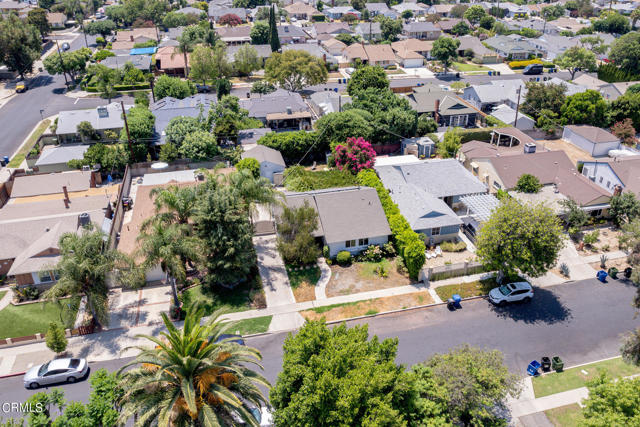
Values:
[(126, 126), (515, 123), (66, 82)]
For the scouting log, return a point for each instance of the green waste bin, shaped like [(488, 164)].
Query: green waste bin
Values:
[(557, 364), (613, 272)]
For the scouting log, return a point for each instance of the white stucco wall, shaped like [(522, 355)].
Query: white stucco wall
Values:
[(334, 248), (596, 150), (603, 175)]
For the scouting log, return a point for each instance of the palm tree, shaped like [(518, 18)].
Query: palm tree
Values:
[(192, 377), (86, 262), (171, 247), (251, 190), (174, 204), (185, 46)]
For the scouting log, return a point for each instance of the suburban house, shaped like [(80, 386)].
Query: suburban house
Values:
[(280, 110), (421, 30), (480, 52), (31, 226), (428, 192), (376, 9), (621, 173), (126, 39), (56, 20), (141, 62), (169, 108), (326, 102), (501, 167), (422, 47), (248, 138), (409, 59), (594, 140), (607, 90), (216, 12), (512, 47), (418, 9), (312, 49), (105, 118), (170, 61), (271, 161), (190, 10), (55, 158), (301, 10), (442, 10), (349, 219), (444, 106), (334, 46), (234, 35), (327, 30), (507, 115), (369, 31), (446, 25), (292, 34), (339, 11), (515, 11), (263, 51), (379, 54)]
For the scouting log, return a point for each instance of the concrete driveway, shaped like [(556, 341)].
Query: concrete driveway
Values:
[(136, 307)]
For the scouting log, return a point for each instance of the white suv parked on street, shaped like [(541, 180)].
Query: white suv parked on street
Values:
[(511, 292)]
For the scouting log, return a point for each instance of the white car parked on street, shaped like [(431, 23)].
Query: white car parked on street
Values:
[(56, 371), (511, 292)]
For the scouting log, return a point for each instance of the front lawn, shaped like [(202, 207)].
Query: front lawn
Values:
[(16, 161), (303, 282), (462, 66), (30, 319), (566, 416), (257, 325), (552, 383), (365, 276), (466, 290), (245, 296), (307, 180)]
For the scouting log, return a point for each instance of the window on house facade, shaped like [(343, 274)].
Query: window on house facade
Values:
[(497, 185), (350, 243), (44, 276), (363, 242), (608, 184), (596, 213), (435, 231)]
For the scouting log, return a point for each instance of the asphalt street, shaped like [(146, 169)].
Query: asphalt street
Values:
[(22, 113), (580, 322)]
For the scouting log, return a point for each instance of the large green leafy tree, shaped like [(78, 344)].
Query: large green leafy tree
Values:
[(199, 145), (20, 44), (295, 69), (520, 238), (83, 268), (103, 27), (260, 33), (577, 58), (473, 385), (587, 107), (335, 128), (179, 127), (474, 14), (612, 403), (542, 96), (389, 27), (293, 145), (246, 60), (141, 123), (174, 87), (613, 23), (624, 208), (295, 239), (339, 377), (625, 107), (192, 376), (38, 18), (203, 65), (174, 204), (73, 62), (367, 77), (445, 50)]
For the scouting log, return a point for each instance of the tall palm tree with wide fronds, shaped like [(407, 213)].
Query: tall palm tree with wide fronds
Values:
[(85, 263), (192, 377), (174, 204), (249, 189), (185, 47), (171, 246)]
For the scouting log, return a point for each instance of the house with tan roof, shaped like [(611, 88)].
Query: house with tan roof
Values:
[(444, 106), (170, 61), (423, 47), (334, 46), (56, 19), (594, 140), (300, 10), (381, 54)]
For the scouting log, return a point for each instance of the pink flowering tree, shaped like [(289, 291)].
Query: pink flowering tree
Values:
[(355, 155)]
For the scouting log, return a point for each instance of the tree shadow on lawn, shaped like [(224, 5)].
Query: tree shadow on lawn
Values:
[(544, 308)]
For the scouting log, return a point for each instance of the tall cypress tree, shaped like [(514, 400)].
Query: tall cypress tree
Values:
[(274, 40)]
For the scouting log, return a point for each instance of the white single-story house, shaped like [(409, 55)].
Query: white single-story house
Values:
[(349, 219), (271, 161), (594, 140), (507, 115)]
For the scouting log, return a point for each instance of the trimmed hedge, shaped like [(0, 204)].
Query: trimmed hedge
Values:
[(518, 65), (410, 244), (612, 74), (479, 134), (121, 88)]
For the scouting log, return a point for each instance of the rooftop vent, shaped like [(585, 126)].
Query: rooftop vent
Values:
[(529, 148), (103, 112)]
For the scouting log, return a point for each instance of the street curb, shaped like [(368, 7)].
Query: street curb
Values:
[(13, 375)]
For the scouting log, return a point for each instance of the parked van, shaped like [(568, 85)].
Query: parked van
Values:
[(533, 69)]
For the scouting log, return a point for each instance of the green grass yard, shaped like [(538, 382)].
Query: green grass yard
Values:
[(30, 319), (466, 290), (256, 325), (241, 298), (305, 180), (566, 416), (462, 66), (552, 383), (298, 277), (368, 269)]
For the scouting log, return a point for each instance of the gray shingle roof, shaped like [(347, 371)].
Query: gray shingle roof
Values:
[(141, 62), (50, 183), (168, 108), (251, 136), (61, 154), (111, 119), (264, 154), (275, 102), (346, 213), (593, 134)]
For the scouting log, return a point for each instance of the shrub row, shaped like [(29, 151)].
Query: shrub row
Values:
[(612, 74), (478, 134), (120, 88), (517, 65), (410, 245)]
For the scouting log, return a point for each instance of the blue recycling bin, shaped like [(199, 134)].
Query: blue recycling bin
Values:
[(456, 300), (6, 160), (602, 276), (489, 72), (533, 367)]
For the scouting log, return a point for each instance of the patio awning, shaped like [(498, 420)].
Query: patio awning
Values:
[(480, 206)]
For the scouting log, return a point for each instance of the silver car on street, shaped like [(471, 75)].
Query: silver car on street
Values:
[(56, 371)]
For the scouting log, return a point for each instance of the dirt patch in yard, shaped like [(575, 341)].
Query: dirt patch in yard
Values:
[(305, 292), (303, 282), (619, 263), (361, 277), (361, 308)]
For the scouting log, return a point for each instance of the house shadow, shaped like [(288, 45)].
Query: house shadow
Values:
[(544, 308)]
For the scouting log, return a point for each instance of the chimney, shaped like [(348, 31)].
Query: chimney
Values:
[(66, 193), (617, 190), (436, 112)]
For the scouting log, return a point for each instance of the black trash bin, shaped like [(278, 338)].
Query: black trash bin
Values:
[(627, 272), (546, 364)]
